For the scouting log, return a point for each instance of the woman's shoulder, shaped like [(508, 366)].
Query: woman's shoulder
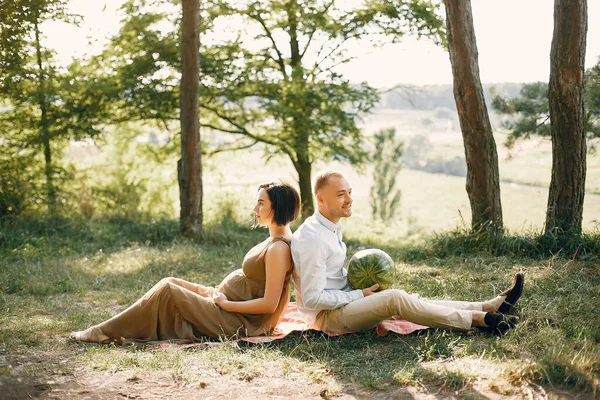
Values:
[(279, 252), (280, 242)]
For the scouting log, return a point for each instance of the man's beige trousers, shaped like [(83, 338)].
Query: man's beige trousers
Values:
[(365, 313)]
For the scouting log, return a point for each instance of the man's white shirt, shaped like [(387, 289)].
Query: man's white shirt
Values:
[(319, 276)]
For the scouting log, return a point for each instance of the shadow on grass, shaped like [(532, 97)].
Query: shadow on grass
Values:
[(63, 274), (58, 275), (371, 366), (21, 386)]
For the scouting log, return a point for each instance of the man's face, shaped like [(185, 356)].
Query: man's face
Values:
[(335, 199)]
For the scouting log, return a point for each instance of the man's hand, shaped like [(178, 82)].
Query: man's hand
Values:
[(370, 290)]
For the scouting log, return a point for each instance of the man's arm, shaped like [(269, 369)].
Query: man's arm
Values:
[(310, 258)]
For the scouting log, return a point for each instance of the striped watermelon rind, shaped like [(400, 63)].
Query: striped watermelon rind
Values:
[(371, 266)]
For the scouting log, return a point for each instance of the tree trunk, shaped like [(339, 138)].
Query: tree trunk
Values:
[(567, 118), (189, 167), (483, 182), (304, 170), (302, 164), (44, 128)]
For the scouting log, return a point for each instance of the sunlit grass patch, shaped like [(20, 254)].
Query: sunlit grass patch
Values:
[(111, 359), (199, 364), (47, 291)]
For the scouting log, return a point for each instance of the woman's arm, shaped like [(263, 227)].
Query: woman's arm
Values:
[(278, 262)]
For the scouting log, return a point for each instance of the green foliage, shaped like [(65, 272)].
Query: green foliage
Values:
[(19, 181), (18, 39), (387, 163), (42, 106), (533, 108), (23, 177), (128, 178), (276, 86), (530, 113), (143, 62), (462, 242)]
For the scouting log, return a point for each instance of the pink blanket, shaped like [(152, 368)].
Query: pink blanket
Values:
[(292, 322)]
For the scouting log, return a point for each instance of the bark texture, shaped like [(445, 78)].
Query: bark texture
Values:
[(483, 181), (567, 118), (189, 167), (44, 124)]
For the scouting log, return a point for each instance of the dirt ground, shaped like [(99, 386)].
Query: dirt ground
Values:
[(52, 375)]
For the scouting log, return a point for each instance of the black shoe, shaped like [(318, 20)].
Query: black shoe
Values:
[(512, 294), (499, 324)]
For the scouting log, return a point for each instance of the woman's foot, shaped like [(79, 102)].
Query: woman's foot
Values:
[(91, 335), (505, 301)]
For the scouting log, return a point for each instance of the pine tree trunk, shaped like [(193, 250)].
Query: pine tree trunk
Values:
[(189, 167), (483, 182), (567, 118), (44, 127)]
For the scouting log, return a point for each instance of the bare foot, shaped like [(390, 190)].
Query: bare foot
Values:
[(91, 335)]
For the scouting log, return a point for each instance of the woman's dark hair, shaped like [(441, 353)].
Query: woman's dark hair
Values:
[(285, 201)]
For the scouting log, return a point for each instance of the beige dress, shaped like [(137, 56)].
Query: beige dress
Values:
[(177, 309)]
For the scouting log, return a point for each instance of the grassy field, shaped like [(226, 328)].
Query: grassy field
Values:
[(65, 274), (430, 202)]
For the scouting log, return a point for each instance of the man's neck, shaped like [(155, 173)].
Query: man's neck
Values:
[(333, 220)]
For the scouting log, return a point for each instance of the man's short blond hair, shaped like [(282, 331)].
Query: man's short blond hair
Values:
[(322, 179)]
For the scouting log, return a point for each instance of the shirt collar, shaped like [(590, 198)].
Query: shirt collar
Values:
[(327, 223)]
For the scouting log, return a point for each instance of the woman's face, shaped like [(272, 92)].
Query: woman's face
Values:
[(263, 210)]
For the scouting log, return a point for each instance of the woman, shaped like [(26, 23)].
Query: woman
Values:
[(249, 301)]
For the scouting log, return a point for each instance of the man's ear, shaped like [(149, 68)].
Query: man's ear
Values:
[(319, 198)]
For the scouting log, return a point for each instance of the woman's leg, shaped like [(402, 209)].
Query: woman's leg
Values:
[(205, 291), (173, 308)]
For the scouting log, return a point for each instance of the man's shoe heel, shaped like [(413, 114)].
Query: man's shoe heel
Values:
[(499, 324), (512, 294)]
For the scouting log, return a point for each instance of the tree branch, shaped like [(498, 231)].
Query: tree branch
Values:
[(242, 130), (319, 62), (269, 35), (543, 122), (224, 149), (311, 34), (217, 128), (342, 61)]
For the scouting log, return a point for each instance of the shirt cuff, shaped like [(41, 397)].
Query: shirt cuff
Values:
[(357, 294)]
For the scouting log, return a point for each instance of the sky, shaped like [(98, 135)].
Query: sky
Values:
[(513, 40)]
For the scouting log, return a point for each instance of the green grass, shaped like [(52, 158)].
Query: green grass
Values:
[(60, 275)]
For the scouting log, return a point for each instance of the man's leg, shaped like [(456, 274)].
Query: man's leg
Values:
[(460, 305), (367, 312)]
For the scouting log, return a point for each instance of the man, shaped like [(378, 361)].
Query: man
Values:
[(328, 302)]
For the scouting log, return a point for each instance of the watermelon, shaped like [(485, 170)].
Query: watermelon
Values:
[(371, 266)]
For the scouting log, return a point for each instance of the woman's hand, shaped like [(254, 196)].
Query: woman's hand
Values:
[(220, 299)]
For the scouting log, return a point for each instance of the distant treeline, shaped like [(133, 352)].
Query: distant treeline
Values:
[(430, 97)]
